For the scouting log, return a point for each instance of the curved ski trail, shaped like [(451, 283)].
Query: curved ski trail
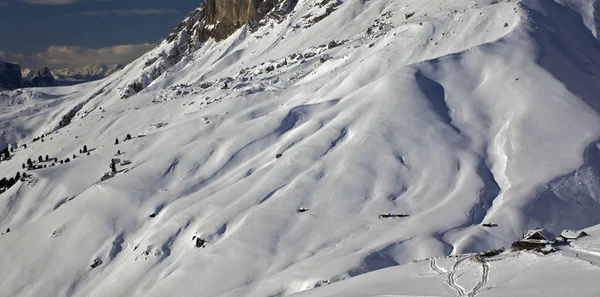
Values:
[(451, 278), (484, 278), (435, 267)]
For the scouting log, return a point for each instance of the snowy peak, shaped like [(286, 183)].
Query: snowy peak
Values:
[(271, 22), (87, 73), (71, 76)]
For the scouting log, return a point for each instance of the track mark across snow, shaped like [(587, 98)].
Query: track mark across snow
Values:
[(451, 278), (435, 267), (484, 278)]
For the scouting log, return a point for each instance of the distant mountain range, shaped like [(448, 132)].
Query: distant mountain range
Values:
[(71, 76), (13, 77)]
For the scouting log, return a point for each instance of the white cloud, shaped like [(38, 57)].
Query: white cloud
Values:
[(57, 57), (50, 2), (121, 12)]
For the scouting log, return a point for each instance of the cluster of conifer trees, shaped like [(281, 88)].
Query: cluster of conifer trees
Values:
[(6, 183)]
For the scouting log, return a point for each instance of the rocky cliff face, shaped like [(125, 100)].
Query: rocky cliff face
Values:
[(10, 76), (229, 15), (213, 19), (220, 18)]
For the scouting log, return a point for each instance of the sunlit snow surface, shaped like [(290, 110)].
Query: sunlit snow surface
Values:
[(467, 112)]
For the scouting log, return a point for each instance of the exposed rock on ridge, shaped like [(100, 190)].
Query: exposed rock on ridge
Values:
[(41, 78), (10, 76), (213, 19)]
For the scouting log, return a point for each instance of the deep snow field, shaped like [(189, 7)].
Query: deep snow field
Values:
[(467, 112)]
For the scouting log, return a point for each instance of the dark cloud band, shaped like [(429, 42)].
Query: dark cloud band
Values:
[(50, 2), (121, 12)]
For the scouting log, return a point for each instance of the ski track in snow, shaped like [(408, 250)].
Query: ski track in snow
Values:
[(485, 270), (451, 278), (435, 267)]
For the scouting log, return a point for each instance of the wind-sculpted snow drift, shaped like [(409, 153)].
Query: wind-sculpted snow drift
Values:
[(260, 160)]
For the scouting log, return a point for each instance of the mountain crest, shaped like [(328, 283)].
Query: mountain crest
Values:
[(41, 78), (213, 19)]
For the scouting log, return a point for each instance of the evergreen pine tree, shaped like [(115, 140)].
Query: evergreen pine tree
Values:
[(6, 153), (113, 167)]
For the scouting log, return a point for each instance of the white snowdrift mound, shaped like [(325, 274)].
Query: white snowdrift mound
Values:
[(466, 112)]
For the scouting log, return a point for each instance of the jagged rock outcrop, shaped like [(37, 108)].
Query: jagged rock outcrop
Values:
[(10, 76), (220, 18), (226, 16), (41, 78), (213, 19)]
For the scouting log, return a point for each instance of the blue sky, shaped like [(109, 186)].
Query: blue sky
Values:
[(72, 33)]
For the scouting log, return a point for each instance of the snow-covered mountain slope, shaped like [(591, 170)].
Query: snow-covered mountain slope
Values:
[(463, 113)]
